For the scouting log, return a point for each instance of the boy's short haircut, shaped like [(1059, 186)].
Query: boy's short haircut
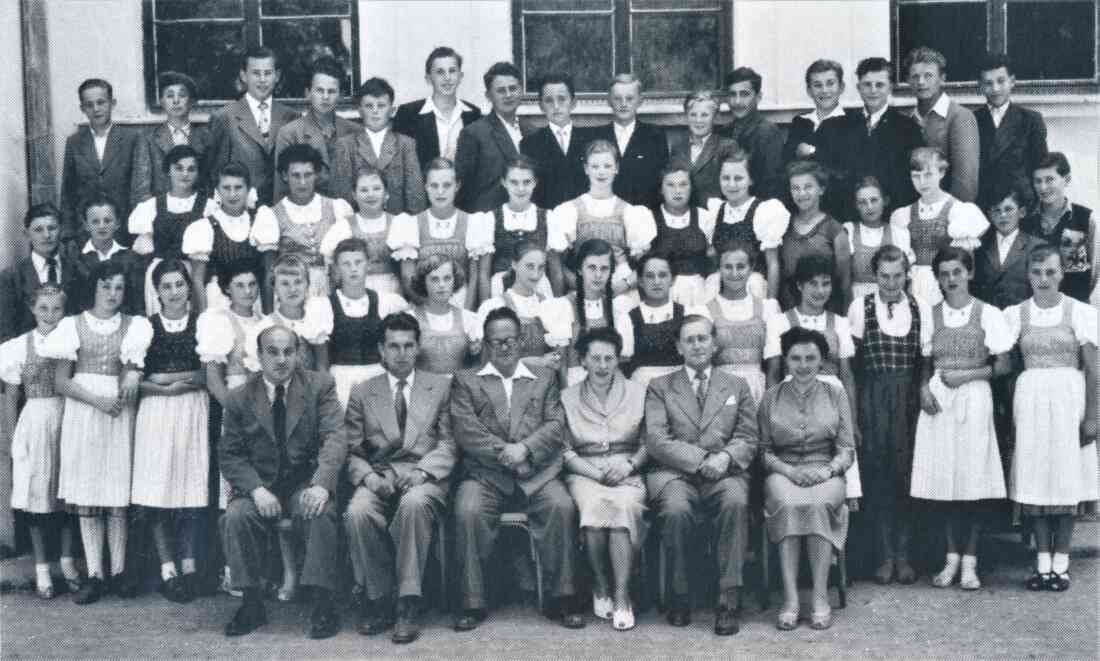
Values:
[(1056, 160), (236, 169), (438, 53), (922, 157), (350, 244), (874, 65), (169, 78), (94, 82), (812, 168), (501, 69), (821, 66), (375, 87), (41, 210), (177, 154), (702, 96), (328, 66), (557, 78), (925, 55), (994, 61), (1044, 251), (97, 197), (625, 79), (300, 153), (1019, 191), (742, 74), (259, 53)]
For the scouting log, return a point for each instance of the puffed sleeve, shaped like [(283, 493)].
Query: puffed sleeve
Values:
[(319, 320), (771, 309), (901, 238), (900, 217), (198, 240), (404, 237), (707, 218), (13, 354), (471, 326), (998, 338), (965, 225), (769, 223), (251, 357), (927, 329), (210, 207), (1084, 322), (265, 230), (774, 327), (556, 315), (63, 342), (1012, 320), (488, 306), (142, 217), (621, 307), (341, 209), (136, 342), (855, 318), (561, 227), (215, 337), (845, 347), (479, 234), (339, 231), (641, 229), (390, 303)]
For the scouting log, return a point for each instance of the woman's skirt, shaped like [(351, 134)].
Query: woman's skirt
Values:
[(36, 456), (605, 507), (791, 510), (172, 451), (888, 406), (96, 449), (347, 376)]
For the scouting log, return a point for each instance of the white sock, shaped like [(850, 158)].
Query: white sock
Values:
[(1042, 562), (1061, 563), (42, 574), (68, 568), (187, 566), (91, 534), (116, 541), (952, 560), (167, 570)]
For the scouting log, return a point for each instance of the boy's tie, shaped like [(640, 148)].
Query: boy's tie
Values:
[(400, 408), (701, 388), (561, 141), (263, 122), (51, 270)]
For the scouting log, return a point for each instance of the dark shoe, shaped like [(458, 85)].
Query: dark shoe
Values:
[(906, 574), (124, 585), (567, 611), (1035, 582), (884, 575), (725, 621), (408, 616), (469, 619), (1056, 582), (175, 589), (90, 592), (324, 622), (249, 617), (573, 620), (679, 613), (374, 616)]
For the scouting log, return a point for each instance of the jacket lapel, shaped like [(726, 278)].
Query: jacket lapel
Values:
[(389, 149), (521, 398), (261, 407), (419, 405), (295, 402), (685, 397), (426, 130), (500, 134), (364, 149), (162, 137), (494, 389), (247, 123), (705, 156), (470, 115), (112, 149), (381, 402), (87, 145), (716, 396), (1015, 252)]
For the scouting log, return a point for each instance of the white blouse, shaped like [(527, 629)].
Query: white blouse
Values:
[(706, 221), (769, 223), (265, 231), (778, 324), (894, 326), (561, 223), (872, 238), (13, 355), (404, 237), (64, 342), (314, 327), (443, 323), (527, 307), (342, 230), (198, 238), (358, 308), (998, 337), (216, 336), (739, 310), (1083, 319), (965, 222), (558, 314)]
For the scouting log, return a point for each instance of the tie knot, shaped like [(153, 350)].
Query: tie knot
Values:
[(701, 376), (262, 105), (280, 391), (401, 383)]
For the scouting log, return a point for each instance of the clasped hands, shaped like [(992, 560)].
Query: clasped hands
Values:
[(127, 394), (808, 476), (715, 466), (617, 470), (312, 500), (514, 457), (386, 485)]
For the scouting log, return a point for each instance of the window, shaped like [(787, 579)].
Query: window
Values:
[(672, 46), (1049, 41), (205, 38)]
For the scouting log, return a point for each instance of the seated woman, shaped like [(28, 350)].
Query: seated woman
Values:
[(806, 444), (449, 335), (604, 452)]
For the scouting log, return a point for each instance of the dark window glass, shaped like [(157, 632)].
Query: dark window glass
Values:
[(1052, 40), (675, 52), (675, 4), (956, 29), (300, 42), (580, 44), (567, 5), (208, 52), (304, 7), (168, 10)]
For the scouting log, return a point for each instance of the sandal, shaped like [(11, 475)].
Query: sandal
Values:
[(623, 619), (787, 620), (1056, 582), (821, 621), (602, 607), (1035, 582)]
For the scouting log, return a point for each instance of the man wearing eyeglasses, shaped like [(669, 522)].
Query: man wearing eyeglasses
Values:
[(507, 419)]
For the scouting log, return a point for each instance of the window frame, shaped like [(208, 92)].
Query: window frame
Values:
[(997, 31), (622, 24), (253, 35)]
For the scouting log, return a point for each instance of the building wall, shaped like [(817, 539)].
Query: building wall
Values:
[(13, 137)]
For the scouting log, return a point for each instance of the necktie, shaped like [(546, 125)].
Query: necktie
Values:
[(701, 388), (278, 412), (399, 407), (263, 121), (51, 270), (561, 141)]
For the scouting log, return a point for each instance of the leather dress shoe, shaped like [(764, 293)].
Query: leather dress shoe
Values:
[(679, 613), (125, 585), (408, 627), (374, 616), (89, 592), (725, 621), (469, 619), (324, 622), (249, 617)]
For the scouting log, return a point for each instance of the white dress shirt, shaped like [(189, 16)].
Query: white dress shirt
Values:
[(998, 114), (513, 130), (508, 382), (1004, 245), (562, 134), (874, 118), (261, 115), (43, 269), (406, 392), (623, 135), (102, 256), (446, 128), (100, 141)]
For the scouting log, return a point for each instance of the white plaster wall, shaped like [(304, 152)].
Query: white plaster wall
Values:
[(13, 137)]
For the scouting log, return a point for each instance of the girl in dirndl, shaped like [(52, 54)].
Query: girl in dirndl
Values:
[(814, 232), (450, 336), (517, 222), (870, 232), (373, 225), (656, 321), (683, 235), (1054, 467), (523, 295), (308, 316)]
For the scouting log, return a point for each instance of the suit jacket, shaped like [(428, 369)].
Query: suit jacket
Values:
[(707, 168), (151, 179), (397, 162), (561, 176), (1009, 152), (17, 285), (315, 447), (375, 443), (484, 149), (639, 178), (679, 436), (234, 136), (1003, 284), (764, 141), (305, 131), (800, 130), (133, 267), (535, 419), (957, 136), (118, 175), (421, 127)]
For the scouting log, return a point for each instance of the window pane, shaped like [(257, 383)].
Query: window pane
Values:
[(956, 29), (300, 42), (209, 53), (578, 44), (165, 10), (675, 51), (675, 4), (304, 7), (1052, 40), (566, 5)]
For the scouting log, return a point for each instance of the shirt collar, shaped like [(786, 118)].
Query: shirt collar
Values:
[(691, 372), (376, 135), (904, 300), (106, 131), (88, 247), (254, 103), (941, 105), (1007, 240), (270, 388), (625, 130), (512, 125), (876, 116), (657, 310), (568, 128), (393, 380), (521, 372), (222, 217), (837, 111), (999, 111)]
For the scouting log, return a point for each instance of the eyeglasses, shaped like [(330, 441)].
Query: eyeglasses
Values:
[(503, 343)]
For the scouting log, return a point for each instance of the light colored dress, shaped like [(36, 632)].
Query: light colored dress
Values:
[(740, 328), (298, 229), (955, 454), (1050, 469), (597, 432), (864, 242), (36, 439), (461, 237), (447, 339), (96, 449), (934, 226)]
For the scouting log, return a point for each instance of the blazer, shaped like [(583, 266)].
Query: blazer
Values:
[(798, 131), (1009, 152), (234, 136), (957, 136), (17, 285), (535, 419), (561, 176), (484, 149), (679, 436), (1003, 284), (400, 170), (315, 447), (305, 131), (133, 267), (421, 127), (375, 444), (764, 141), (707, 168), (117, 175), (639, 178), (151, 179)]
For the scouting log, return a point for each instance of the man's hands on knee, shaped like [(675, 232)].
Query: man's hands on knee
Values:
[(266, 503), (379, 484), (313, 501)]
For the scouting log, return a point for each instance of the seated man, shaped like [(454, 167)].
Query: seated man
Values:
[(701, 435), (398, 428), (509, 422), (282, 450)]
